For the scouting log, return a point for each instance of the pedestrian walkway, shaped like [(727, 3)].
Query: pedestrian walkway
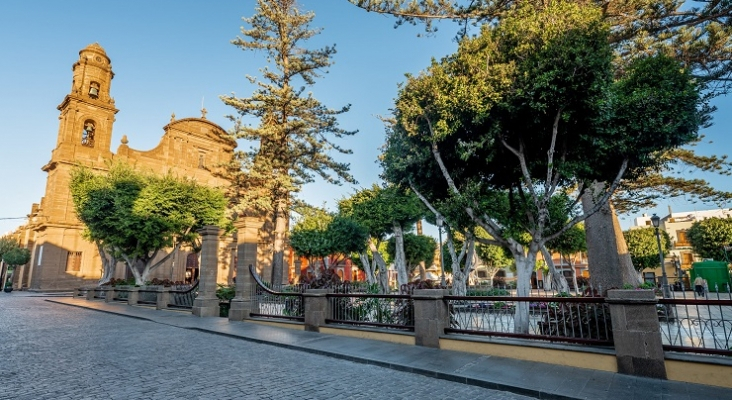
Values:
[(539, 380)]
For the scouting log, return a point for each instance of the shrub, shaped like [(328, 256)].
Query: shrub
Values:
[(488, 292), (577, 320), (225, 292)]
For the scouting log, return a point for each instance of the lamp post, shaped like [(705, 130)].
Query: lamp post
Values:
[(442, 259), (656, 221)]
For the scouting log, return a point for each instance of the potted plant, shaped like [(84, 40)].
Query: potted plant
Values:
[(8, 287)]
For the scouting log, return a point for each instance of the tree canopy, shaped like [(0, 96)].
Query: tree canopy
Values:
[(709, 236), (417, 249), (136, 215), (321, 235), (531, 112), (643, 247)]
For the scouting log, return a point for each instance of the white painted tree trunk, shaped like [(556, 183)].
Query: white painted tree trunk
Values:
[(278, 255), (559, 282), (400, 262), (383, 277), (524, 267), (367, 268), (109, 263)]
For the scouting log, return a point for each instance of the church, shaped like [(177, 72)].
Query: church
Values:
[(61, 259)]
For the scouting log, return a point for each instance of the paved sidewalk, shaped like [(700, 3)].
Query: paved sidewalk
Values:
[(539, 380)]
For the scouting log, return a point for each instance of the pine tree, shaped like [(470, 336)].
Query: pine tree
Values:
[(294, 135)]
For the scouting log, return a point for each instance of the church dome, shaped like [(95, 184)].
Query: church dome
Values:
[(95, 47)]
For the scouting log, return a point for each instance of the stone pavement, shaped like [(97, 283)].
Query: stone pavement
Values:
[(104, 356)]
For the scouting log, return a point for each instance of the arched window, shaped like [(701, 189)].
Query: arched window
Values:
[(94, 90), (87, 136)]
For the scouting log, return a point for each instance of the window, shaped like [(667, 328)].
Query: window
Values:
[(687, 259), (87, 136), (682, 239), (73, 261)]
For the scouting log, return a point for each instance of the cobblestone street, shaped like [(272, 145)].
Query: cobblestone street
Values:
[(52, 351)]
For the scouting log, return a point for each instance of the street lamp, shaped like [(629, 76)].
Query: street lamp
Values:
[(656, 221), (442, 259)]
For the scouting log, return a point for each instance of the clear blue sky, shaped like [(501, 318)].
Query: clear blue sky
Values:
[(170, 55)]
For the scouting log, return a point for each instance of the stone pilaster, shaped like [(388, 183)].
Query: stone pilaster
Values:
[(245, 301), (109, 294), (636, 332), (134, 296), (163, 298), (316, 308), (206, 303), (431, 316)]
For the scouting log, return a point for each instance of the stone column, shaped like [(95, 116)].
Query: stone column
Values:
[(316, 308), (431, 316), (245, 301), (637, 333), (134, 296), (163, 298), (206, 303), (109, 294)]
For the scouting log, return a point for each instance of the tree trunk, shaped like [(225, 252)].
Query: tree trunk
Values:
[(109, 263), (574, 274), (559, 282), (422, 271), (278, 255), (399, 258), (607, 253), (381, 265), (525, 263), (135, 265), (461, 274), (367, 268)]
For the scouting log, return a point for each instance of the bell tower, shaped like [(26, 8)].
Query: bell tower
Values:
[(87, 112), (84, 132)]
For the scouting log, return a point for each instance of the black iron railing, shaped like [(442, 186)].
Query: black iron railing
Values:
[(277, 304), (697, 322), (583, 320), (388, 311), (182, 296)]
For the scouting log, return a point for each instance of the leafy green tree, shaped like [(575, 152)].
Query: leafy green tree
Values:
[(138, 215), (319, 235), (643, 247), (294, 138), (709, 236), (696, 33), (529, 113), (13, 255), (417, 249), (16, 256), (571, 242), (383, 212), (6, 244)]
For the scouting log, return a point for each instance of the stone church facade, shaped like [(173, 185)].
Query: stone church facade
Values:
[(190, 147)]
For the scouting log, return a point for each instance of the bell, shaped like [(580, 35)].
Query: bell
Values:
[(93, 92)]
